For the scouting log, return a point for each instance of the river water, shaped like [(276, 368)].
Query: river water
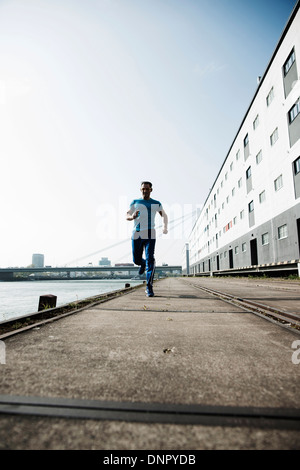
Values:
[(21, 298)]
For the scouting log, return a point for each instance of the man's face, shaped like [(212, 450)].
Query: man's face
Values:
[(146, 191)]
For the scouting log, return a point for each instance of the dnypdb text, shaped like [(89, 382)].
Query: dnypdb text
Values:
[(151, 459)]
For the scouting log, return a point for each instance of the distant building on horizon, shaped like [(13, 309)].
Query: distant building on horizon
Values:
[(104, 262), (251, 216), (38, 260)]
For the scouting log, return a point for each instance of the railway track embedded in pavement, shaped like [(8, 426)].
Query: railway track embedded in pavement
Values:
[(281, 317)]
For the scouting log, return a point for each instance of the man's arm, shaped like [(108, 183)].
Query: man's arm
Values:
[(165, 219), (132, 215)]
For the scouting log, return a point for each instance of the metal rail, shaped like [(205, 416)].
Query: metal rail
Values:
[(49, 407), (286, 319)]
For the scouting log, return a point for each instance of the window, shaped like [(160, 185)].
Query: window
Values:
[(282, 232), (265, 238), (294, 122), (236, 250), (296, 177), (256, 122), (249, 179), (294, 111), (238, 154), (228, 226), (259, 157), (262, 197), (242, 213), (289, 62), (278, 183), (251, 214), (290, 73), (297, 166), (240, 182), (274, 137), (244, 247), (246, 147), (270, 97)]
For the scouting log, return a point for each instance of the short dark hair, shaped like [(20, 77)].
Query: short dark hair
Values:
[(146, 182)]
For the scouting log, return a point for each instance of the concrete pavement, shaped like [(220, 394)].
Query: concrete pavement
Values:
[(181, 347)]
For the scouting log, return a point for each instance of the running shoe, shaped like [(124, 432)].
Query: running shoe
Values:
[(149, 292)]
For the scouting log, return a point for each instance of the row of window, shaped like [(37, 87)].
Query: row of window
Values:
[(292, 114), (282, 232), (259, 158), (273, 139), (278, 184)]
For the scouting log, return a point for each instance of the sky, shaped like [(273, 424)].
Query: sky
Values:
[(99, 95)]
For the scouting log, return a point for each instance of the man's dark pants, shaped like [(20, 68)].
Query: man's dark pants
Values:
[(139, 243)]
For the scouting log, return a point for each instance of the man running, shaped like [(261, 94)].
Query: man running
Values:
[(142, 211)]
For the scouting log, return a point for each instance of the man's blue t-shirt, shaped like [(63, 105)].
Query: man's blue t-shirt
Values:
[(147, 210)]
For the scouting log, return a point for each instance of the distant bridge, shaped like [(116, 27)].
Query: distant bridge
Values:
[(81, 272)]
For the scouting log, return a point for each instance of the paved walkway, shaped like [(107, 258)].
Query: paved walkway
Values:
[(182, 347)]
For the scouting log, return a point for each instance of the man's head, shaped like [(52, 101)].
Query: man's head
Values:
[(146, 189)]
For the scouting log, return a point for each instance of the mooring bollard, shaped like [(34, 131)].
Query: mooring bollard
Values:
[(2, 353), (47, 301), (127, 285)]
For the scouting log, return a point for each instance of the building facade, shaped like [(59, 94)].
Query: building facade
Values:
[(252, 213), (38, 260)]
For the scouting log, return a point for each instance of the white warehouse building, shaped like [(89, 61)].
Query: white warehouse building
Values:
[(251, 216)]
